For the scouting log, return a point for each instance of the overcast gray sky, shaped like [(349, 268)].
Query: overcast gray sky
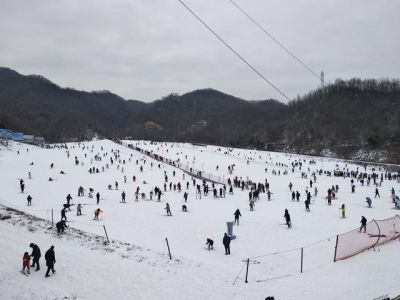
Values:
[(146, 49)]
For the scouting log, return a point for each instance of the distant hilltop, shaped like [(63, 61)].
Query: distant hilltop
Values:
[(348, 119)]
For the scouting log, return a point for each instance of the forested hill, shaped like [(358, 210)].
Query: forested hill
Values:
[(342, 117)]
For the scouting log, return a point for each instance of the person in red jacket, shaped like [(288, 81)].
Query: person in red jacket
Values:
[(97, 213), (26, 259)]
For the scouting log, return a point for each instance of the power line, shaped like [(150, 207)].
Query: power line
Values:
[(234, 51), (275, 40)]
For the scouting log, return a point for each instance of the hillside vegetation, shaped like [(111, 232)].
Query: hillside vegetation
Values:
[(352, 119)]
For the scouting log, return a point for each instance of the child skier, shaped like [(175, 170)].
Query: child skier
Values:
[(97, 213), (210, 244), (26, 259)]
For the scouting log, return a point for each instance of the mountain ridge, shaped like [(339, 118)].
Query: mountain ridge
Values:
[(344, 117)]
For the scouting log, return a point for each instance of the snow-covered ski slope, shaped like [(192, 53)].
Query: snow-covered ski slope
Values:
[(85, 271)]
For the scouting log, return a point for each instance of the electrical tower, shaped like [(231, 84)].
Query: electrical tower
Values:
[(322, 78)]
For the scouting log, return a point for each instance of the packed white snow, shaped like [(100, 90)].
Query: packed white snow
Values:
[(136, 264)]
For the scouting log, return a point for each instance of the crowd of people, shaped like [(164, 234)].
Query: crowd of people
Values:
[(184, 181)]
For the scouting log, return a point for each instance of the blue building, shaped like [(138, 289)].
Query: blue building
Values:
[(5, 133), (17, 136)]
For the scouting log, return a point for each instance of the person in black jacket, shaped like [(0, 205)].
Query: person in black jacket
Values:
[(36, 256), (363, 223), (63, 215), (287, 218), (61, 226), (50, 258), (237, 214), (210, 244), (226, 241)]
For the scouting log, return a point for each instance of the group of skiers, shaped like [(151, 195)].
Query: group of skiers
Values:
[(254, 193)]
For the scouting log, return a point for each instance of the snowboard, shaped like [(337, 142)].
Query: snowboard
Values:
[(209, 249)]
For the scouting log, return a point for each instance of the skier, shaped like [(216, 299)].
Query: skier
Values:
[(297, 196), (269, 195), (168, 209), (363, 224), (98, 197), (210, 244), (25, 263), (36, 256), (287, 218), (369, 201), (315, 192), (123, 196), (290, 186), (251, 205), (226, 241), (159, 195), (329, 197), (29, 198), (377, 193), (69, 198), (63, 215), (184, 208), (307, 204), (343, 209), (50, 258), (81, 191), (185, 196), (97, 213), (61, 226), (79, 210), (22, 185), (237, 214)]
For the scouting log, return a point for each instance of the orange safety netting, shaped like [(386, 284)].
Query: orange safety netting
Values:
[(378, 232)]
